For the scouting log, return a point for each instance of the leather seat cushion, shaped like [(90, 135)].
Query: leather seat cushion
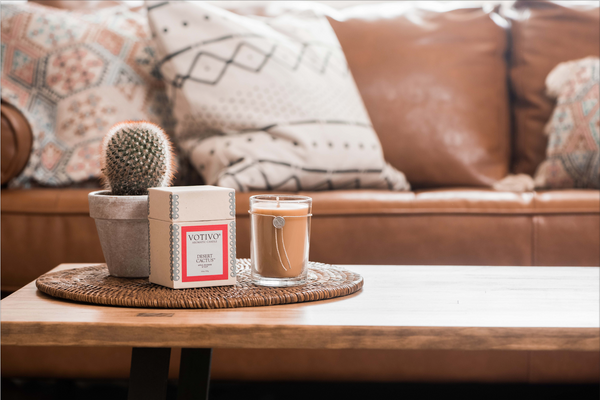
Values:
[(350, 202), (45, 227)]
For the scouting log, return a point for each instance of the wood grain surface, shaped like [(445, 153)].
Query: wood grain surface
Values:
[(400, 307)]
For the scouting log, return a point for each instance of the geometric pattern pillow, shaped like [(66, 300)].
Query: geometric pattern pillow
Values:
[(73, 75), (266, 103), (573, 155)]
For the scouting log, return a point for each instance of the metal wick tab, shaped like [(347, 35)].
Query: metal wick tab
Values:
[(278, 222)]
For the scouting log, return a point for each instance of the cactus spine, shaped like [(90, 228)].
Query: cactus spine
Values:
[(136, 155)]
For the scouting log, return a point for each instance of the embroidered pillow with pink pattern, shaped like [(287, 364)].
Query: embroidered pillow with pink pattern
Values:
[(73, 75), (573, 156)]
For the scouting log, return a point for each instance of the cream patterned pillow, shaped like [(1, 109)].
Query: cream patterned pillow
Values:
[(573, 153), (73, 75), (266, 103)]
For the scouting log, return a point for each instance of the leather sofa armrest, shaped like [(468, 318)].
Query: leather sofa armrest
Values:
[(17, 140)]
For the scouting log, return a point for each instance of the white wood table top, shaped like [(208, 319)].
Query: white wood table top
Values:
[(400, 307)]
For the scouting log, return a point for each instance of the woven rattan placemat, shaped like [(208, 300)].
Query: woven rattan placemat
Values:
[(94, 285)]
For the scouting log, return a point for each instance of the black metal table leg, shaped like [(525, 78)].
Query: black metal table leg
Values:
[(194, 374), (149, 373)]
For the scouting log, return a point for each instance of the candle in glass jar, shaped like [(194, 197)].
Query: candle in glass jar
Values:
[(280, 238)]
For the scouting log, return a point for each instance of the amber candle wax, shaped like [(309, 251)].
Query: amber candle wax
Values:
[(280, 237)]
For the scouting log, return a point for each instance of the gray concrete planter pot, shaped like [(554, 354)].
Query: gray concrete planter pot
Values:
[(122, 225)]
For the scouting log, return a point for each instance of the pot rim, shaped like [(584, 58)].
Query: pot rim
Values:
[(105, 194), (105, 206)]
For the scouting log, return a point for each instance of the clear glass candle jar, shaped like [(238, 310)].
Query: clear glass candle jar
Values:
[(279, 239)]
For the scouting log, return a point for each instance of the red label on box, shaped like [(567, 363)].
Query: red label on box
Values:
[(204, 253)]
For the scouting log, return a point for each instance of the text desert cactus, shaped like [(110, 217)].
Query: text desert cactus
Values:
[(136, 155)]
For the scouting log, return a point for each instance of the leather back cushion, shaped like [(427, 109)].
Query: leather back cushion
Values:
[(544, 34), (434, 84)]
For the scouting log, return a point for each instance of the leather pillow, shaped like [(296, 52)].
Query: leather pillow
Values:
[(434, 83), (544, 34)]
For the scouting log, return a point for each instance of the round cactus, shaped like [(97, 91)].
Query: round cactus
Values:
[(136, 155)]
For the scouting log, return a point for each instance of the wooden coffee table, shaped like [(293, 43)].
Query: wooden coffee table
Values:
[(400, 307)]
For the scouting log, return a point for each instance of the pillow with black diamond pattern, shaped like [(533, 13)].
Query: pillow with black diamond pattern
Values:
[(266, 103)]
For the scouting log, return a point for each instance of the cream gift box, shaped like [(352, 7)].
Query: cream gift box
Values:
[(192, 236)]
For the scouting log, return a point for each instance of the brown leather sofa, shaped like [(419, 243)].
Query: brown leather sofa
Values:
[(457, 99)]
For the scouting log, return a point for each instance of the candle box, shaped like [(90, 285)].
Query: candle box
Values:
[(192, 236)]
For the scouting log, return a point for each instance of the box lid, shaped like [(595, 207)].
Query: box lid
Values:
[(191, 203)]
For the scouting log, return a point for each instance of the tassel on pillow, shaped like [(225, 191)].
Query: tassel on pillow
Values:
[(515, 183)]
